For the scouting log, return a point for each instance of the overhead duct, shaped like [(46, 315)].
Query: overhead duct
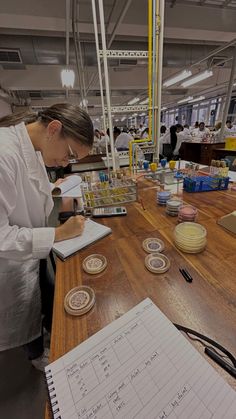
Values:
[(10, 56), (50, 50)]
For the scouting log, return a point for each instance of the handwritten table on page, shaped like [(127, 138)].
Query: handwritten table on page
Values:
[(140, 366)]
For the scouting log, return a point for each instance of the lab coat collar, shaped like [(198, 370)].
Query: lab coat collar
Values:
[(34, 162)]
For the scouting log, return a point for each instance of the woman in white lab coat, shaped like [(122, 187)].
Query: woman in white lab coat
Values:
[(182, 136), (28, 142)]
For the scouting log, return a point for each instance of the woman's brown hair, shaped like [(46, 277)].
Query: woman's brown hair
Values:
[(76, 123)]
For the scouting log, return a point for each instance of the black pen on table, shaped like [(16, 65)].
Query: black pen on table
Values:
[(186, 275), (220, 361), (75, 206)]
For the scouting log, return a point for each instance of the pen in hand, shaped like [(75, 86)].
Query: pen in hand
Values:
[(75, 206)]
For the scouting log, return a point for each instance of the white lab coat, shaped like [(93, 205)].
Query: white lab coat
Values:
[(123, 140), (165, 139), (182, 136), (25, 204), (199, 135)]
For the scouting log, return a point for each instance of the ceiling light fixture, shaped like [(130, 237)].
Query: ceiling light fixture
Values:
[(68, 78), (163, 109), (197, 99), (186, 99), (197, 78), (133, 101), (123, 119), (181, 76), (144, 102)]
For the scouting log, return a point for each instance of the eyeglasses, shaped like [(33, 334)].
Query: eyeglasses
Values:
[(72, 155)]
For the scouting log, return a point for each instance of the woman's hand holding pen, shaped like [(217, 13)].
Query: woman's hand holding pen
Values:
[(73, 227)]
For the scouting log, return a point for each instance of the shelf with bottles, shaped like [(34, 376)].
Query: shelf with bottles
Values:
[(119, 189)]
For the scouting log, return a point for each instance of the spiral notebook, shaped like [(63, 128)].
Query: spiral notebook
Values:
[(140, 366), (92, 232), (70, 187)]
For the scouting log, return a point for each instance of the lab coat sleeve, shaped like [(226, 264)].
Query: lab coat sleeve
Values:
[(19, 243)]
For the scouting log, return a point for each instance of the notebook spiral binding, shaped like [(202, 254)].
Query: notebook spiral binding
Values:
[(52, 395)]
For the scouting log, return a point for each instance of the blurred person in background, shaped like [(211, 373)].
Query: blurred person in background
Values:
[(122, 139), (163, 130), (183, 135), (170, 137), (201, 132), (145, 133)]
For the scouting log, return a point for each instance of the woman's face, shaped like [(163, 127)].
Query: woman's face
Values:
[(59, 149)]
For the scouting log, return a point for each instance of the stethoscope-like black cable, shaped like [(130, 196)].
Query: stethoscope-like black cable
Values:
[(211, 351)]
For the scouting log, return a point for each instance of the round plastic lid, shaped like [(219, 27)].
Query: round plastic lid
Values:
[(79, 300), (153, 244), (94, 264), (157, 263)]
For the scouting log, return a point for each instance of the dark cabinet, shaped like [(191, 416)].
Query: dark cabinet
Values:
[(199, 152)]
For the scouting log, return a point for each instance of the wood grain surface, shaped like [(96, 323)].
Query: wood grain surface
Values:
[(207, 305)]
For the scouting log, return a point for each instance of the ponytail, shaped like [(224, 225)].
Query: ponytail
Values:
[(16, 118), (76, 123)]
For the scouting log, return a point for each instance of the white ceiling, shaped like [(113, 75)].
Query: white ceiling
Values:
[(37, 29)]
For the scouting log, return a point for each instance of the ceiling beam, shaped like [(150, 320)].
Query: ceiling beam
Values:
[(117, 24)]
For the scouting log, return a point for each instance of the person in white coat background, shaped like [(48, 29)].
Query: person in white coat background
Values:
[(28, 142)]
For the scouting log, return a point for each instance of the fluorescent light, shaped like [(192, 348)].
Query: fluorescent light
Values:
[(68, 78), (163, 109), (123, 119), (116, 120), (144, 102), (187, 99), (181, 76), (197, 99), (133, 101), (135, 114), (143, 114), (197, 78), (234, 84)]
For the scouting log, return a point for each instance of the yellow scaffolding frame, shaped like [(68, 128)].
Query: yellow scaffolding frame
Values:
[(150, 66), (131, 143)]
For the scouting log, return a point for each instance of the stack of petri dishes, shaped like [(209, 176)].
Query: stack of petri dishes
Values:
[(187, 213), (172, 207), (190, 237), (163, 197)]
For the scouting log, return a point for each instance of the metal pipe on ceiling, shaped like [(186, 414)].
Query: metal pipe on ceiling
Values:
[(150, 67), (67, 38), (77, 36), (119, 21), (155, 41), (215, 51), (100, 80), (94, 78), (101, 14), (77, 55), (159, 76)]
